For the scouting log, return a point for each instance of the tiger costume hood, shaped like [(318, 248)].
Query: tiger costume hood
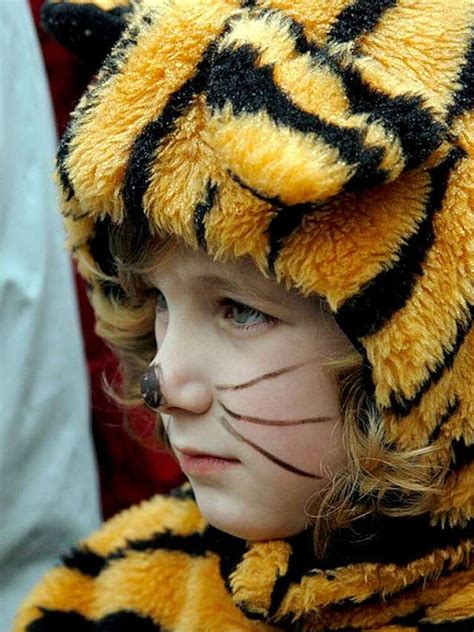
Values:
[(332, 143)]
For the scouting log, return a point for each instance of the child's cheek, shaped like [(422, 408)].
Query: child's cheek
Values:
[(307, 393), (309, 448)]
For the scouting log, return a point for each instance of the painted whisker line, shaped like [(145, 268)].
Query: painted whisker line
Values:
[(260, 378), (276, 422), (268, 455)]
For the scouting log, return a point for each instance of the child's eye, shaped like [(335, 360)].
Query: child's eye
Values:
[(242, 315)]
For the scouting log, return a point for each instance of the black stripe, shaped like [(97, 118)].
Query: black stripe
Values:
[(193, 545), (59, 621), (61, 156), (120, 621), (282, 225), (251, 614), (387, 293), (283, 624), (228, 548), (414, 619), (122, 50), (99, 248), (360, 17), (144, 149), (402, 406), (285, 220), (404, 115), (449, 412), (463, 98), (85, 29), (201, 211), (411, 619), (111, 66), (344, 606), (236, 79), (466, 625), (92, 564), (288, 624), (388, 540), (299, 564), (372, 539), (462, 454), (85, 561)]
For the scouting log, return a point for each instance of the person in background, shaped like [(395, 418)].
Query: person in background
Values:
[(131, 465), (49, 494)]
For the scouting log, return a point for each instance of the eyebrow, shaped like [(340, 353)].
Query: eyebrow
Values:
[(224, 284)]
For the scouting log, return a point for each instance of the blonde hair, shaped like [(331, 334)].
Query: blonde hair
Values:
[(377, 477)]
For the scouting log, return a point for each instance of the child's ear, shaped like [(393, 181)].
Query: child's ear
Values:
[(87, 29)]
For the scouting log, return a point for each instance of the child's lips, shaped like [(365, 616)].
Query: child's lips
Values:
[(193, 461)]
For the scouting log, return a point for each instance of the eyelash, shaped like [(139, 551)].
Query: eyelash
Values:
[(228, 304)]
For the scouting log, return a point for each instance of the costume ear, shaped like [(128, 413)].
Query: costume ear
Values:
[(87, 29)]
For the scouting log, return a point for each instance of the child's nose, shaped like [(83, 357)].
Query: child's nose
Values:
[(176, 380)]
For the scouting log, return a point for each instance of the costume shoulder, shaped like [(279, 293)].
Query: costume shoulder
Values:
[(159, 566), (444, 604), (151, 567)]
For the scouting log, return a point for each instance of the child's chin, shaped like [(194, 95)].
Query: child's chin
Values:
[(239, 518)]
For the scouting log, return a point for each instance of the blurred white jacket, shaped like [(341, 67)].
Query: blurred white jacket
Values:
[(48, 482)]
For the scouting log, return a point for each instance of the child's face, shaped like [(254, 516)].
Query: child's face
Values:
[(237, 356)]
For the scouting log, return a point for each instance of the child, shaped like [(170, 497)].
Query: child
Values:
[(272, 204)]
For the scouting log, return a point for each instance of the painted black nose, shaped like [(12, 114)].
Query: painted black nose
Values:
[(150, 388)]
